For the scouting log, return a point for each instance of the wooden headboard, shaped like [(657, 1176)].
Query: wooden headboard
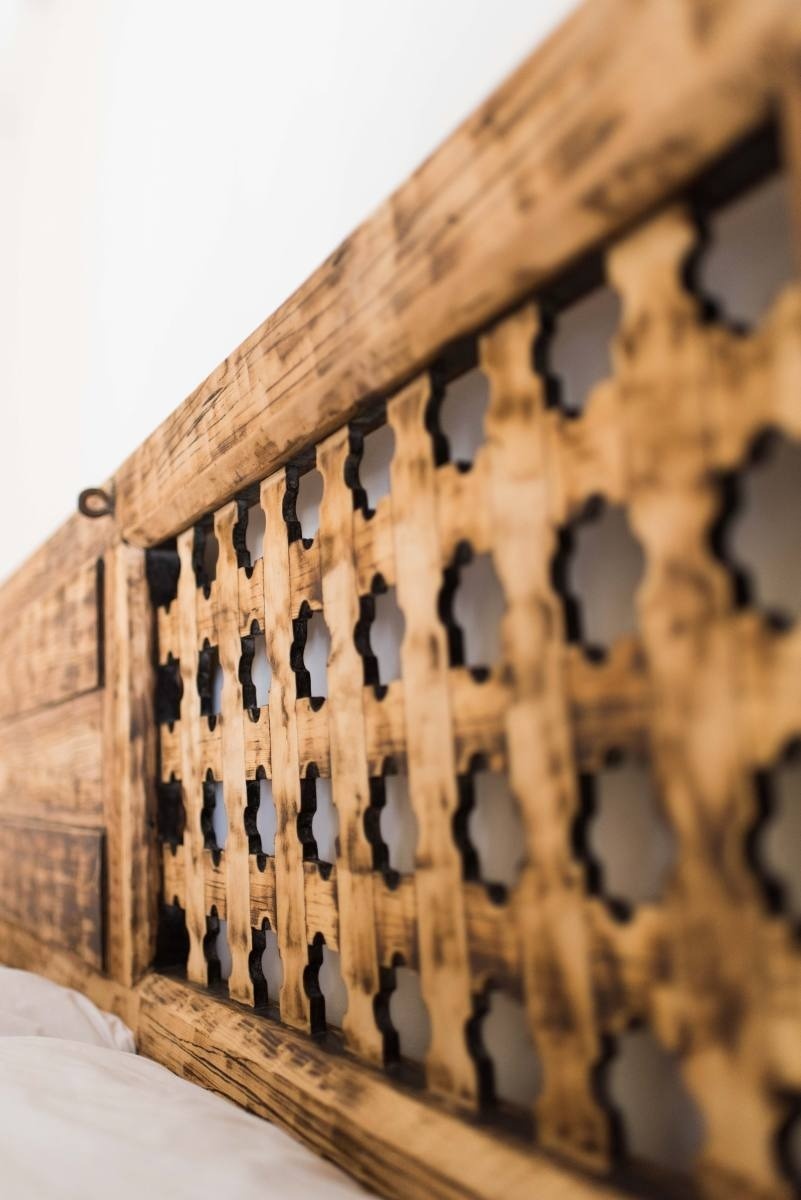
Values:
[(139, 751)]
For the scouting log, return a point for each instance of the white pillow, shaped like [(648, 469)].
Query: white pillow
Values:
[(31, 1005), (82, 1122)]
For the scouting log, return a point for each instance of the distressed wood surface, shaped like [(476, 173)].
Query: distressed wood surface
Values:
[(594, 128), (51, 763), (51, 645), (51, 883), (129, 766)]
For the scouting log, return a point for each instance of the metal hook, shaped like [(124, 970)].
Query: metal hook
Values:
[(95, 502)]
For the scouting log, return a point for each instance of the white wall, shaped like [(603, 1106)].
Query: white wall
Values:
[(171, 170)]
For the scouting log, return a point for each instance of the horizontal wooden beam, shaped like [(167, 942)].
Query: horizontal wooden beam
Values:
[(388, 1138), (51, 763), (595, 128)]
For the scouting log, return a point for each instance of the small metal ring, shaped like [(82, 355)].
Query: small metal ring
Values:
[(95, 502)]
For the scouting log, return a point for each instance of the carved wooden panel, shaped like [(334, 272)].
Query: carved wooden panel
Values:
[(703, 694)]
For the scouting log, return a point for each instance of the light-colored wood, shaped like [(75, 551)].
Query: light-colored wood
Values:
[(51, 763), (348, 753), (432, 771), (129, 762), (191, 771), (597, 126), (50, 882), (232, 717), (51, 645), (551, 906), (290, 896)]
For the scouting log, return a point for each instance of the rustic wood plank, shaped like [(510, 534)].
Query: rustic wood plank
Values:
[(50, 763), (348, 749), (191, 769), (51, 880), (51, 645), (541, 776), (237, 885), (444, 965), (129, 762), (290, 896), (590, 132)]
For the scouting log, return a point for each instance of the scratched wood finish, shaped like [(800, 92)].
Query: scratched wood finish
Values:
[(129, 765), (51, 645), (51, 763), (50, 881)]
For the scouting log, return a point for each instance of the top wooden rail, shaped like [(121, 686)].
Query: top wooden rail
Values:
[(594, 128)]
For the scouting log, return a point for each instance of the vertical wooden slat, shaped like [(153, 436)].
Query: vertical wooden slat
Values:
[(129, 756), (357, 940), (237, 870), (790, 98), (552, 912), (444, 964), (289, 883), (189, 731)]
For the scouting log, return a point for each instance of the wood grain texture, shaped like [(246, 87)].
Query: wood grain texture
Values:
[(232, 717), (345, 1111), (595, 127), (51, 645), (129, 764), (51, 763), (348, 752), (432, 770), (51, 879)]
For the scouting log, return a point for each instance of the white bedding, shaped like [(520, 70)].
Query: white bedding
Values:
[(82, 1121)]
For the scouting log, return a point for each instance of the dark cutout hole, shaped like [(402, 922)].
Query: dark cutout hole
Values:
[(489, 830), (624, 836), (777, 840), (408, 1014), (255, 673), (271, 966), (210, 683), (374, 466), (172, 937), (760, 528), (578, 353), (378, 636), (310, 651), (171, 814), (748, 254), (391, 826), (332, 985), (260, 818), (597, 570), (307, 504), (163, 568), (254, 533), (205, 553), (216, 950), (318, 822), (471, 606), (516, 1070), (213, 816), (461, 415), (169, 692), (660, 1122)]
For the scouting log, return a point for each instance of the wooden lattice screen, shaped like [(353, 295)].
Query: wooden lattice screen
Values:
[(705, 690)]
